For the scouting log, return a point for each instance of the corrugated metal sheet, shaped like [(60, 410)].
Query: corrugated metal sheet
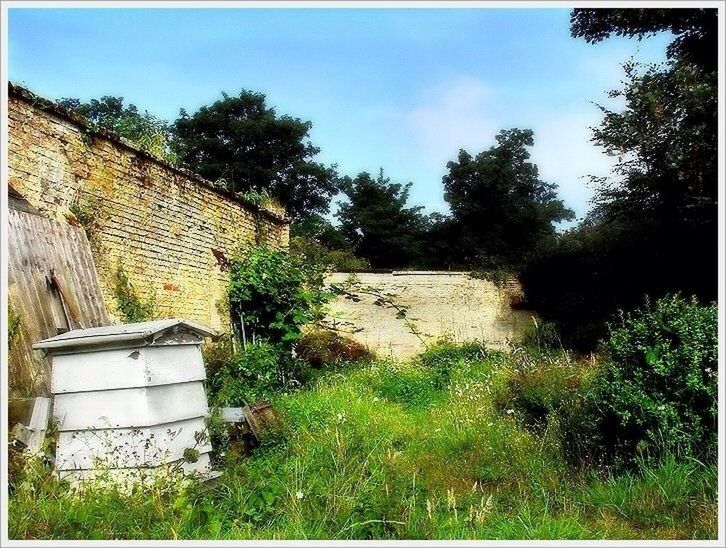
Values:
[(37, 249)]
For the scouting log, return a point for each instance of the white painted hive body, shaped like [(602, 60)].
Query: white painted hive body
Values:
[(129, 399)]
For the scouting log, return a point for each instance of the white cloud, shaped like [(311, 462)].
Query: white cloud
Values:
[(454, 117), (566, 156)]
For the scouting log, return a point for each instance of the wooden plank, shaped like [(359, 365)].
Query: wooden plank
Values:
[(36, 246)]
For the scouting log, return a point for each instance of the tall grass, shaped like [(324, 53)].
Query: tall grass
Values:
[(422, 450)]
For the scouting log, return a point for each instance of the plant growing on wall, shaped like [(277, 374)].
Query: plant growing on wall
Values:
[(258, 198), (131, 307), (85, 213)]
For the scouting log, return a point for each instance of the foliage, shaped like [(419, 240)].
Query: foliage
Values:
[(14, 324), (548, 392), (659, 391), (325, 348), (501, 210), (85, 213), (499, 275), (131, 307), (337, 260), (273, 294), (142, 129), (442, 357), (241, 140), (540, 337), (252, 374), (320, 230), (695, 30), (376, 221), (654, 227), (376, 451), (653, 392)]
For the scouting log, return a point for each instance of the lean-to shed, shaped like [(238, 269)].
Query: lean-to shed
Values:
[(129, 398)]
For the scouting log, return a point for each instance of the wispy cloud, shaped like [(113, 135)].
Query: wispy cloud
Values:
[(455, 116)]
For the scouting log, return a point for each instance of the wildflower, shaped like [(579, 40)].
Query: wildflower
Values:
[(299, 495)]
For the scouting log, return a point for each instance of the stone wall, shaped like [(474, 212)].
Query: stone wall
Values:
[(169, 229), (400, 313)]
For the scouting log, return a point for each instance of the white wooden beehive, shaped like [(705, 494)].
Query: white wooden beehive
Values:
[(129, 399)]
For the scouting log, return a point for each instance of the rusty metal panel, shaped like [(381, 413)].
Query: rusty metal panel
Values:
[(37, 248)]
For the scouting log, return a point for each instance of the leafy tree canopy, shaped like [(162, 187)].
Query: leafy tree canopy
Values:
[(141, 128), (502, 207), (242, 143), (653, 229), (377, 222), (695, 30)]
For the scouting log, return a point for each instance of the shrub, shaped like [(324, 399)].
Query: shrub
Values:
[(541, 336), (326, 258), (549, 392), (253, 373), (273, 294), (322, 347), (659, 391), (498, 275)]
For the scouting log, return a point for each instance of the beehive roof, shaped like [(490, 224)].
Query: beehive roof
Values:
[(125, 333)]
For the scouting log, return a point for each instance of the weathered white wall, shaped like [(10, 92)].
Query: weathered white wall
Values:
[(437, 305)]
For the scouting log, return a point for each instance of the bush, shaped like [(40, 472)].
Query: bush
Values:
[(326, 258), (273, 294), (252, 374), (541, 336), (129, 304), (659, 390), (322, 348)]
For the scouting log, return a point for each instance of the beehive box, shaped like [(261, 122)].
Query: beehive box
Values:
[(129, 399)]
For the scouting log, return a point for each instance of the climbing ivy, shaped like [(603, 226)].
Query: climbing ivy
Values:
[(131, 307)]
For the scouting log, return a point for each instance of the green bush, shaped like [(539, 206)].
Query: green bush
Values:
[(253, 373), (326, 258), (131, 307), (442, 357), (541, 336), (273, 294), (659, 390)]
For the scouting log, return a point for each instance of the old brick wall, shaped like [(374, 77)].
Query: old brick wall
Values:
[(434, 304), (166, 227)]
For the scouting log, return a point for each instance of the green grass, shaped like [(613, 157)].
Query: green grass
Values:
[(384, 450)]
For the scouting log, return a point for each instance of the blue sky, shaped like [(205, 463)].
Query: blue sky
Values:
[(402, 89)]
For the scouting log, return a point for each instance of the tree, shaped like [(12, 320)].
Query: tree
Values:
[(142, 129), (653, 228), (501, 209), (242, 143), (695, 30), (377, 222)]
